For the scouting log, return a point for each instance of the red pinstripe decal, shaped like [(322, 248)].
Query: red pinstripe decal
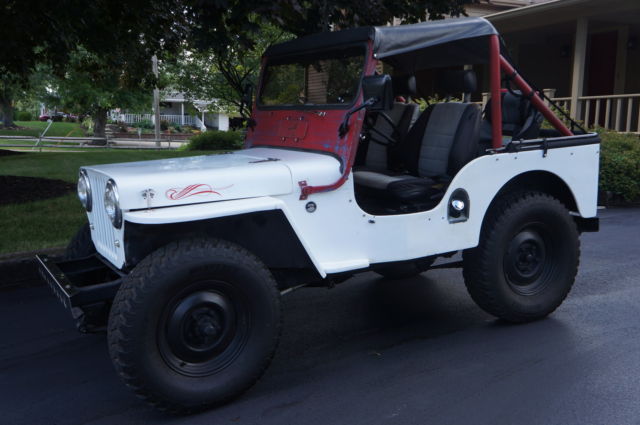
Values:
[(176, 194)]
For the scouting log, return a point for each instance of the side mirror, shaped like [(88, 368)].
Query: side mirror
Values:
[(377, 90)]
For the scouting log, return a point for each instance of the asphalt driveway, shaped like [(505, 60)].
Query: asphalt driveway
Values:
[(374, 352)]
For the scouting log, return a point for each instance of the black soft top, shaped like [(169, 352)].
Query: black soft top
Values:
[(447, 42)]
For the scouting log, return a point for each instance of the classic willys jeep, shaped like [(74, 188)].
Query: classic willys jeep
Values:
[(349, 165)]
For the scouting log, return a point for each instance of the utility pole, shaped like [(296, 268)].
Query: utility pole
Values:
[(156, 101)]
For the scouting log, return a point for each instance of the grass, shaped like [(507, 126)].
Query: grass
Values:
[(35, 128), (51, 223)]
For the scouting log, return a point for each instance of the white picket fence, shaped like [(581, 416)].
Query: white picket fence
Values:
[(133, 119)]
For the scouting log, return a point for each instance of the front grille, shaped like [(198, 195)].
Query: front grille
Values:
[(103, 233)]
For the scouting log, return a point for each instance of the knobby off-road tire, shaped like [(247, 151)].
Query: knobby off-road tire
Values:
[(404, 270), (527, 259), (195, 324), (81, 244)]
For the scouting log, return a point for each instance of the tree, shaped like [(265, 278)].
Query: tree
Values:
[(228, 39), (91, 87), (125, 35), (222, 74), (8, 83)]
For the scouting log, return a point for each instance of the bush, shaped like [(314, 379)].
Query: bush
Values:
[(24, 116), (164, 125), (620, 164), (216, 140), (144, 124)]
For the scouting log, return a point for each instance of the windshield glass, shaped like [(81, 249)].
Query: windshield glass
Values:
[(325, 78)]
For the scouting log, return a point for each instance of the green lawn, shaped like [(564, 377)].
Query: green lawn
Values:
[(35, 128), (51, 223)]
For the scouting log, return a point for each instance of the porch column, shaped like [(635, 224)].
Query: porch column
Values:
[(579, 55), (181, 113)]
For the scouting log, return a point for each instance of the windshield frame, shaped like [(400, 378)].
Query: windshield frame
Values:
[(307, 107)]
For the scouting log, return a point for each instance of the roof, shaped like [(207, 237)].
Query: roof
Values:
[(399, 44)]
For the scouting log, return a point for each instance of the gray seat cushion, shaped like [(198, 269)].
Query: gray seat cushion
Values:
[(441, 142)]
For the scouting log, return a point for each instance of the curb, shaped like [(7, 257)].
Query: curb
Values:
[(19, 269)]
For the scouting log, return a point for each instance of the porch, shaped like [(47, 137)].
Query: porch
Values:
[(585, 55), (176, 109)]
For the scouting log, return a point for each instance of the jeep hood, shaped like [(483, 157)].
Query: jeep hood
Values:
[(207, 178)]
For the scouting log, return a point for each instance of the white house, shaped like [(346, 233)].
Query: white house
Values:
[(176, 108)]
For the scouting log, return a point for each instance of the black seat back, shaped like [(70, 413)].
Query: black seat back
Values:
[(403, 115), (520, 120), (445, 136)]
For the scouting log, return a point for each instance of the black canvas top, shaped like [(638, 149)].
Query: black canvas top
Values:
[(449, 41)]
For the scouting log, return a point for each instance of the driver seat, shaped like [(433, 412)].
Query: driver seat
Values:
[(440, 143), (402, 115)]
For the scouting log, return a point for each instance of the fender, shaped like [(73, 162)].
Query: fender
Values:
[(213, 210)]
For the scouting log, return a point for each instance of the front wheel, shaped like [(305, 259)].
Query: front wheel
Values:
[(526, 260), (81, 244), (195, 324)]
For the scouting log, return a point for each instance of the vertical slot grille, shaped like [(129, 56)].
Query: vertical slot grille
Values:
[(103, 234)]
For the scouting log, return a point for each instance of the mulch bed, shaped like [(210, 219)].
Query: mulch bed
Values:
[(6, 152), (17, 189)]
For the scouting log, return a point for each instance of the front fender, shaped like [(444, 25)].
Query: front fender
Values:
[(213, 210), (203, 211)]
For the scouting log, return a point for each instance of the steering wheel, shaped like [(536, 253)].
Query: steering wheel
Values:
[(370, 128)]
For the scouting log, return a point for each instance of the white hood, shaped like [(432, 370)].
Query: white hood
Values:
[(208, 178)]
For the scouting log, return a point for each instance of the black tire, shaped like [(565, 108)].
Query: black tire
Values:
[(527, 258), (81, 244), (195, 324), (404, 270)]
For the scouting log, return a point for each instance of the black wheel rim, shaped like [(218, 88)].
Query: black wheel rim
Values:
[(528, 260), (203, 328)]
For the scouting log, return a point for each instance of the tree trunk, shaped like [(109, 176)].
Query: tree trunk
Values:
[(99, 122), (7, 109)]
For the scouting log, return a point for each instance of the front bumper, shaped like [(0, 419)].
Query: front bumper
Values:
[(86, 286)]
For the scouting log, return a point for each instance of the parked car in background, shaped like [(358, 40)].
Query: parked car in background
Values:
[(58, 116)]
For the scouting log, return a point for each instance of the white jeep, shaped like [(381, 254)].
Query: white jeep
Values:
[(341, 173)]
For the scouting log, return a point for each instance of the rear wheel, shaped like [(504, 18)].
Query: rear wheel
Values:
[(195, 324), (527, 258)]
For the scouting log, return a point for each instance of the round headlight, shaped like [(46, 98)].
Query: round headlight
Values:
[(84, 190), (112, 204)]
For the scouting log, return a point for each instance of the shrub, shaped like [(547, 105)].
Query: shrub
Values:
[(164, 125), (620, 164), (216, 140), (144, 124), (24, 116), (87, 124)]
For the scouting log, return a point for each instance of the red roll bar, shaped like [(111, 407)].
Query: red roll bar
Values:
[(498, 63)]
